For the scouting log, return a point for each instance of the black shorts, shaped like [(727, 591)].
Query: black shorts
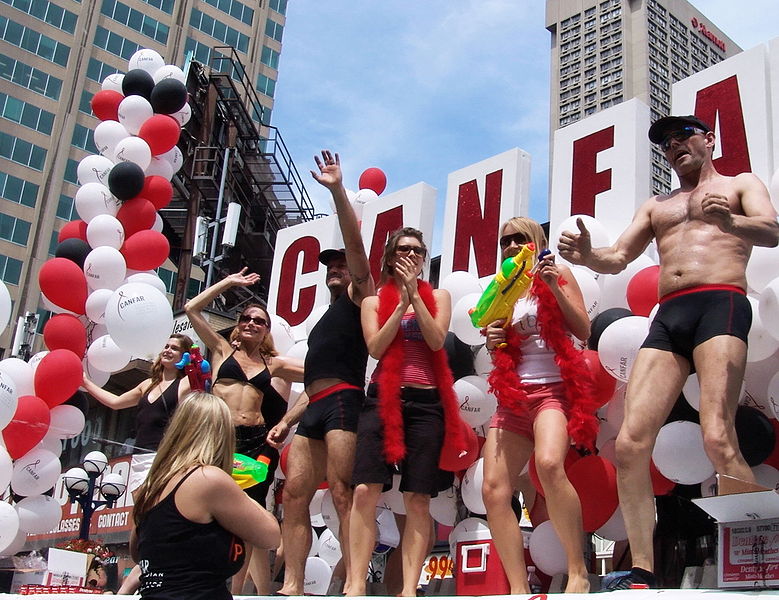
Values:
[(339, 410), (250, 441), (423, 422), (686, 321)]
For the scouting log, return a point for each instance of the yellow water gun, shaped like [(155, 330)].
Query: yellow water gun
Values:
[(510, 283)]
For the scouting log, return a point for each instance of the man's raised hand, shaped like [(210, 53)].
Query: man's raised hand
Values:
[(575, 247)]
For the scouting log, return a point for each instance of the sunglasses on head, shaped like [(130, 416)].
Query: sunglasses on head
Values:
[(406, 249), (517, 238), (679, 135), (256, 320)]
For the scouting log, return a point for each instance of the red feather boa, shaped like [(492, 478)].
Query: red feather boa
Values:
[(577, 380), (389, 381)]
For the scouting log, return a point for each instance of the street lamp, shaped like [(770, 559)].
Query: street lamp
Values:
[(81, 484)]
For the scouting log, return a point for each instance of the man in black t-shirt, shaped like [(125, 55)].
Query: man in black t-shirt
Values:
[(325, 441)]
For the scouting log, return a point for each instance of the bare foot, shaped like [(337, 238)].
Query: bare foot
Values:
[(577, 584)]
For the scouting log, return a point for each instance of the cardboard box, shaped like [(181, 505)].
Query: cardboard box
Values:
[(748, 547)]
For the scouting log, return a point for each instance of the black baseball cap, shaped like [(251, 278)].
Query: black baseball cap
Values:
[(327, 255), (665, 125)]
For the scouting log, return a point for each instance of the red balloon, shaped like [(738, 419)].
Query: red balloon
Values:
[(572, 457), (58, 376), (28, 426), (136, 214), (62, 281), (105, 105), (373, 179), (605, 384), (595, 480), (452, 459), (161, 132), (73, 229), (145, 250), (642, 291), (661, 485), (65, 332), (158, 191)]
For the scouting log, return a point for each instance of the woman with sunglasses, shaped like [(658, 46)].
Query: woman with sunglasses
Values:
[(545, 398), (409, 409), (244, 368)]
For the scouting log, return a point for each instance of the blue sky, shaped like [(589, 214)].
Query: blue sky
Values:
[(420, 88)]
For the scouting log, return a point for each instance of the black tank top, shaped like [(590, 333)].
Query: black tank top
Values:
[(336, 346), (153, 417), (183, 560)]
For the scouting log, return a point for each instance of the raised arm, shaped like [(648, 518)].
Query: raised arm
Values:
[(129, 398), (285, 367), (194, 309), (577, 247), (758, 224), (330, 176)]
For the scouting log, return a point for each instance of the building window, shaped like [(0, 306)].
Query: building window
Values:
[(82, 138), (32, 41), (218, 30), (235, 9), (14, 230), (71, 171), (97, 71), (10, 269), (266, 85), (47, 12), (18, 190), (280, 6), (115, 44), (85, 105), (26, 114), (270, 57), (168, 278), (274, 30), (66, 208), (135, 20), (22, 152), (30, 78)]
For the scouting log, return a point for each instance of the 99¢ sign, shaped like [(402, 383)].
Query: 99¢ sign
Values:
[(437, 566)]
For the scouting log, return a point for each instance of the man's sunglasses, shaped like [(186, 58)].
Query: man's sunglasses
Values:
[(255, 320), (404, 249), (679, 135), (518, 239)]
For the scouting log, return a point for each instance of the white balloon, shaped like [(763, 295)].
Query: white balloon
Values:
[(105, 230), (360, 199), (614, 528), (471, 488), (183, 115), (94, 168), (5, 306), (465, 530), (8, 400), (38, 514), (392, 499), (477, 405), (96, 302), (459, 284), (174, 157), (760, 343), (104, 268), (768, 308), (107, 135), (93, 199), (387, 534), (461, 324), (692, 391), (619, 344), (614, 287), (98, 377), (133, 149), (482, 363), (298, 350), (21, 374), (314, 317), (113, 82), (6, 468), (35, 472), (591, 291), (9, 526), (547, 551), (314, 549), (51, 443), (36, 359), (149, 279), (169, 72), (139, 319), (160, 166), (133, 112), (158, 224), (283, 337), (679, 453), (316, 576), (328, 512), (766, 475), (443, 508), (147, 59), (104, 355), (763, 266), (329, 548), (66, 421)]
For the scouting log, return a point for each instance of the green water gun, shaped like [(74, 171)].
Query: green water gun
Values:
[(248, 472)]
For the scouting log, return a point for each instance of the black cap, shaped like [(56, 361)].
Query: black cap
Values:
[(327, 255), (665, 125)]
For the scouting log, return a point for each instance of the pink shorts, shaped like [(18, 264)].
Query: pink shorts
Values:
[(541, 396)]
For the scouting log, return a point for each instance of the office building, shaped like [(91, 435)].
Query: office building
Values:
[(608, 51)]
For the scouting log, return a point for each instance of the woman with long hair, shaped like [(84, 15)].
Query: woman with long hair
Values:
[(191, 519), (244, 368), (410, 406), (545, 398), (156, 398)]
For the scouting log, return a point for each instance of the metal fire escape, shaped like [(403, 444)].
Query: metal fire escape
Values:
[(257, 172)]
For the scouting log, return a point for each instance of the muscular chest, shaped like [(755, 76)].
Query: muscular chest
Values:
[(685, 209)]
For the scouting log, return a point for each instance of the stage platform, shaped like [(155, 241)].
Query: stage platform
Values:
[(698, 594)]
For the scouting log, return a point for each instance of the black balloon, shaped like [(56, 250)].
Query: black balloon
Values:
[(603, 320), (756, 436), (74, 249), (126, 180), (168, 96), (138, 82), (80, 401)]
